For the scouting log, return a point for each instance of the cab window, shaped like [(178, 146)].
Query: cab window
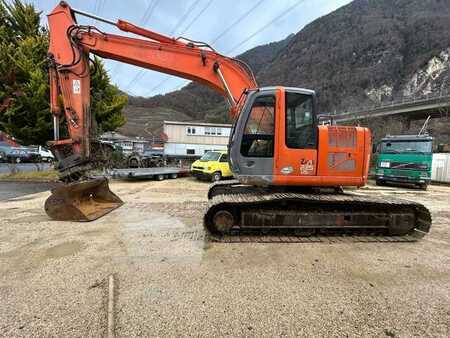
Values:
[(300, 129), (258, 137)]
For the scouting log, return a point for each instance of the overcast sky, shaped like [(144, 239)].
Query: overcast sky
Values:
[(200, 20)]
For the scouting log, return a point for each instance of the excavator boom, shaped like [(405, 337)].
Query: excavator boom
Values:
[(70, 46)]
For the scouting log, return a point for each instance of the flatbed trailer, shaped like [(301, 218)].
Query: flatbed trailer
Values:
[(158, 173)]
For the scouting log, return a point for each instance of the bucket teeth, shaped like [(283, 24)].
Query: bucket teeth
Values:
[(82, 201)]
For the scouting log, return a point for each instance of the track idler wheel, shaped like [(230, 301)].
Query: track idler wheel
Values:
[(223, 221), (82, 201)]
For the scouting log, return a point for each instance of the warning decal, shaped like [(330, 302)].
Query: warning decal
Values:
[(76, 86)]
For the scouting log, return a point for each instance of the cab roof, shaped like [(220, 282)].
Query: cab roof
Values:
[(407, 138)]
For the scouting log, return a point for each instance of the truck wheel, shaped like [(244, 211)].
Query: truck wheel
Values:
[(217, 176), (423, 186), (379, 182), (173, 176), (17, 160), (160, 177)]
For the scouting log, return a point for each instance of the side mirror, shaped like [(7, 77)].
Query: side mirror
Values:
[(374, 148)]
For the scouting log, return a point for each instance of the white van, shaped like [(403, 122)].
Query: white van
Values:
[(45, 154)]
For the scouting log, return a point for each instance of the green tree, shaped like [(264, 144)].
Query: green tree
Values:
[(107, 101), (24, 88)]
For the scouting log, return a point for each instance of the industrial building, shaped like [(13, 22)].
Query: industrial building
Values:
[(441, 168), (189, 139)]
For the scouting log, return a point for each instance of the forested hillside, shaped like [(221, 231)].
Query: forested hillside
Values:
[(361, 54)]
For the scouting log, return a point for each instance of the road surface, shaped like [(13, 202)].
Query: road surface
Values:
[(6, 168), (10, 190)]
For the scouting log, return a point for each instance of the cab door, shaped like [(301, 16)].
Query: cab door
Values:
[(251, 146), (295, 160)]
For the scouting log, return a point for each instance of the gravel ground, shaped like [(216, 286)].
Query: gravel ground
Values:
[(173, 283)]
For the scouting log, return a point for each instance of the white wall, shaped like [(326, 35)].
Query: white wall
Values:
[(179, 134), (180, 149), (440, 171)]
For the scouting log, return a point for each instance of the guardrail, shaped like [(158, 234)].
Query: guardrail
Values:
[(392, 105), (404, 100)]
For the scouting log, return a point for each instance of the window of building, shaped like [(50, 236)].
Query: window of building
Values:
[(219, 131), (191, 130), (258, 138), (207, 131), (213, 131), (190, 151)]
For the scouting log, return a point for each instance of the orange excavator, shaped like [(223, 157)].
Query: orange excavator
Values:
[(288, 169)]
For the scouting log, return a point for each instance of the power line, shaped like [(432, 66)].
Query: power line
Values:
[(98, 8), (184, 17), (95, 6), (186, 28), (141, 73), (236, 22), (150, 5), (243, 16), (159, 84), (147, 15), (102, 7), (197, 16), (183, 83), (150, 10), (265, 26)]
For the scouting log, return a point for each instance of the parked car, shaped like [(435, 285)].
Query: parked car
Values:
[(5, 149), (45, 154), (212, 166), (3, 157), (21, 155)]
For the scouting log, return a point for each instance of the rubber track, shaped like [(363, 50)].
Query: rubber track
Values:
[(258, 200)]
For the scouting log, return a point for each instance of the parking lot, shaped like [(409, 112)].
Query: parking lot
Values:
[(172, 282)]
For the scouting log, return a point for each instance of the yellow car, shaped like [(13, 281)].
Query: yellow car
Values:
[(213, 166)]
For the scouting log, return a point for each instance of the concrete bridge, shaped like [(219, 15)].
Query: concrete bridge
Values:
[(437, 106)]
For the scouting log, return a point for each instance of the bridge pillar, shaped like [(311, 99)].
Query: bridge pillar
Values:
[(408, 124)]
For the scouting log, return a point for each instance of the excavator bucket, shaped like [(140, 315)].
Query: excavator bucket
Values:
[(82, 201)]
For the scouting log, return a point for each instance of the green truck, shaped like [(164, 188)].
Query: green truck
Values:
[(405, 159)]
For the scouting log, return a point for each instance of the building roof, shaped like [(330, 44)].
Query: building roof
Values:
[(203, 124)]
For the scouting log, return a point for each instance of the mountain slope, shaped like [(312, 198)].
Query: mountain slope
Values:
[(362, 48), (363, 53)]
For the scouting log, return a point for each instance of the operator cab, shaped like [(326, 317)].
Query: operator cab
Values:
[(257, 126), (276, 136)]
